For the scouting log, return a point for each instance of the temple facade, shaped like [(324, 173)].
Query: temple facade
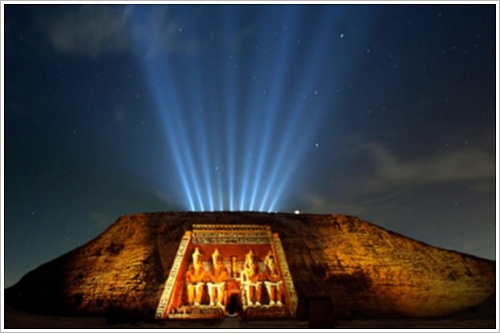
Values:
[(229, 270)]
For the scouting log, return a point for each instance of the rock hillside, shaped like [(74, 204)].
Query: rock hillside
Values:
[(364, 270)]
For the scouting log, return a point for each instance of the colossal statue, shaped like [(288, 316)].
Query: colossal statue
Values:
[(195, 279), (273, 283), (251, 280), (218, 276)]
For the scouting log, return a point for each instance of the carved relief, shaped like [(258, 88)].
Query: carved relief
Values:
[(231, 271)]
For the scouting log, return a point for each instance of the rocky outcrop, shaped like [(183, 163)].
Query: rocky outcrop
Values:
[(362, 269)]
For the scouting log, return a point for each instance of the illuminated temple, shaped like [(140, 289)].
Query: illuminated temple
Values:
[(181, 266), (229, 270)]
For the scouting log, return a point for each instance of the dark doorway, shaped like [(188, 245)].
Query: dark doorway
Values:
[(233, 306)]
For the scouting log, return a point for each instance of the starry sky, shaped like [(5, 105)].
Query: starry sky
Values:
[(385, 112)]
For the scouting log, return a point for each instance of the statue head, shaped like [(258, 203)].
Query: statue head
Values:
[(216, 258), (197, 262), (251, 263), (250, 257), (269, 260)]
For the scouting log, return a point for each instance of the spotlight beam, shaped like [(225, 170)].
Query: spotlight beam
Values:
[(302, 124), (281, 63), (271, 104), (168, 104)]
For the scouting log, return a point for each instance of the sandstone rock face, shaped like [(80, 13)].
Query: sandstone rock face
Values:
[(362, 269)]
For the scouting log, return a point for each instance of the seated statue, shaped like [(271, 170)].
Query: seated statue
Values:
[(251, 280), (195, 279), (273, 283), (218, 276)]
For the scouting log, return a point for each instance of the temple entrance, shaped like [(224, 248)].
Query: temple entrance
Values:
[(229, 270), (233, 307)]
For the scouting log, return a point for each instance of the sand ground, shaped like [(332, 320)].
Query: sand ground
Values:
[(15, 319)]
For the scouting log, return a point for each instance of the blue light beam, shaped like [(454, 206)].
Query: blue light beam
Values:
[(239, 107)]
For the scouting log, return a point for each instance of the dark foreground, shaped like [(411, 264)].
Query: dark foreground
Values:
[(15, 319)]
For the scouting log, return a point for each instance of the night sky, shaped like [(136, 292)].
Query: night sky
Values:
[(385, 112)]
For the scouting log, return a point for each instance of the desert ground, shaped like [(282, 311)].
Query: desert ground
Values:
[(15, 319)]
